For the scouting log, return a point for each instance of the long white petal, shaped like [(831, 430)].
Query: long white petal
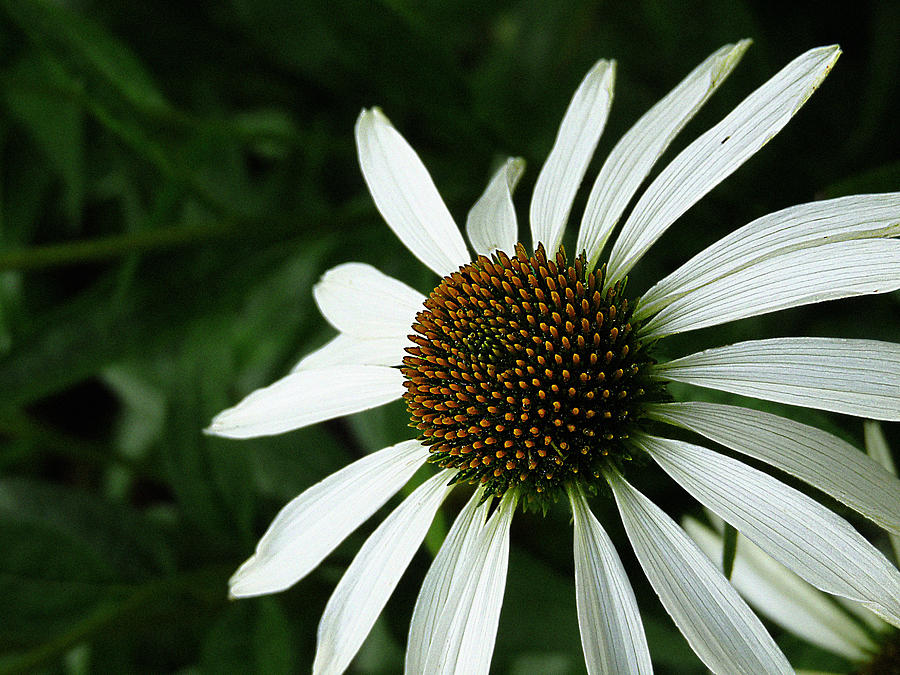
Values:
[(718, 625), (815, 456), (717, 153), (783, 597), (361, 301), (372, 576), (877, 447), (406, 196), (839, 270), (635, 154), (855, 377), (311, 525), (437, 585), (612, 635), (791, 229), (491, 224), (465, 636), (308, 396), (801, 534), (568, 161), (346, 350)]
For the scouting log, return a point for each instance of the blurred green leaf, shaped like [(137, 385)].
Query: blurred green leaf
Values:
[(66, 552), (31, 91), (250, 637), (88, 47)]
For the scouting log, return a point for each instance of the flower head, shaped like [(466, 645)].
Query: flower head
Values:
[(534, 374)]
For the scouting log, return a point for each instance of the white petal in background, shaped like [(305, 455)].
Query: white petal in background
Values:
[(840, 270), (467, 630), (612, 635), (797, 531), (815, 456), (877, 447), (491, 224), (372, 576), (796, 227), (719, 626), (406, 196), (438, 582), (361, 301), (717, 153), (635, 154), (854, 377), (346, 350), (313, 524), (783, 597), (568, 160), (308, 396)]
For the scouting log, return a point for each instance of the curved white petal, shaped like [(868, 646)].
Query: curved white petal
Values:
[(372, 576), (815, 456), (437, 585), (361, 301), (877, 447), (718, 625), (311, 525), (840, 270), (717, 153), (855, 377), (346, 350), (467, 629), (791, 229), (306, 397), (568, 161), (491, 224), (783, 597), (406, 196), (797, 531), (612, 635), (635, 154)]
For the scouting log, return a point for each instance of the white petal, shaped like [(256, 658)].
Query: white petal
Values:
[(635, 154), (406, 196), (467, 630), (855, 377), (718, 625), (877, 447), (612, 635), (492, 225), (815, 456), (372, 576), (797, 531), (568, 161), (310, 526), (791, 229), (783, 597), (840, 270), (346, 350), (306, 397), (361, 301), (437, 585), (717, 153)]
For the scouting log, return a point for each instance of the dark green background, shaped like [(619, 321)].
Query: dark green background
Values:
[(174, 178)]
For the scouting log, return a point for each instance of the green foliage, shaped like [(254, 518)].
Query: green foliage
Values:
[(174, 179)]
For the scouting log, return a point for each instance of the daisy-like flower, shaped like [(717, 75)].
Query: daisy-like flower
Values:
[(533, 376), (844, 628)]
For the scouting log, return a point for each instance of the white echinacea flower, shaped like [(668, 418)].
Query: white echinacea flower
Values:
[(844, 628), (533, 376)]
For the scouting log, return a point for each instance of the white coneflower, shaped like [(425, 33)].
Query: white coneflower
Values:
[(531, 375), (844, 628)]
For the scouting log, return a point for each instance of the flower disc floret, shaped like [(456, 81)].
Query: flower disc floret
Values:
[(526, 372)]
